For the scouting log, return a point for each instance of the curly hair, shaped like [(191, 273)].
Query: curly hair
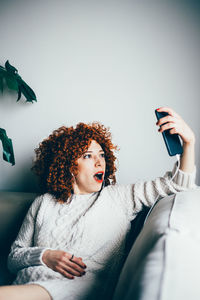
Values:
[(56, 157)]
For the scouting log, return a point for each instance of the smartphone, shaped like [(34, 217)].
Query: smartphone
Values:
[(172, 141)]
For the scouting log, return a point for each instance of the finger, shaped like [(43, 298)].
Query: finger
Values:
[(70, 267), (76, 267), (166, 119), (169, 110), (73, 271), (65, 268), (173, 131), (64, 273), (78, 261), (166, 127)]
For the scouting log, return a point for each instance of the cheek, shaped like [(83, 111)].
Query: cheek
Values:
[(84, 171)]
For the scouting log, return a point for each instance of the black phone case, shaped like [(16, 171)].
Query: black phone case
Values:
[(172, 141)]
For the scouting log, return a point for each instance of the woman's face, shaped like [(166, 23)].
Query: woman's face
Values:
[(91, 170)]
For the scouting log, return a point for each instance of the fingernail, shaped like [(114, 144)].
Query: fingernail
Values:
[(157, 108)]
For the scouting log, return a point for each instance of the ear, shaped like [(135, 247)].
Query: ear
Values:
[(73, 178), (75, 186)]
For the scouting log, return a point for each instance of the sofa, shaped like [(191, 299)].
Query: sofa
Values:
[(163, 247), (164, 261), (13, 207)]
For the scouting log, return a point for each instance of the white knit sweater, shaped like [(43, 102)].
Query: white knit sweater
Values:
[(92, 226)]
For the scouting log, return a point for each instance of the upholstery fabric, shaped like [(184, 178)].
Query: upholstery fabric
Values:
[(13, 207), (164, 262)]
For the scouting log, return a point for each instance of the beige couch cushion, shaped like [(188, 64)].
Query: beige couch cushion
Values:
[(164, 262)]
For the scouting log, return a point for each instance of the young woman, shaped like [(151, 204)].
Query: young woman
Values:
[(71, 243)]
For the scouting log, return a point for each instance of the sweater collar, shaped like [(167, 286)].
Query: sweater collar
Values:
[(83, 196)]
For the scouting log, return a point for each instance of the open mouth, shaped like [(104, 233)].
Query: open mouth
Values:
[(99, 176)]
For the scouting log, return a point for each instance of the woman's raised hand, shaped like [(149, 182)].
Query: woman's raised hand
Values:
[(176, 124), (60, 261)]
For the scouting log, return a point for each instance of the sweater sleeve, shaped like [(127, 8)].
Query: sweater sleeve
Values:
[(146, 193), (23, 253)]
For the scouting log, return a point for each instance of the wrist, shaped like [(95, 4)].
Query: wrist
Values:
[(45, 256), (189, 143)]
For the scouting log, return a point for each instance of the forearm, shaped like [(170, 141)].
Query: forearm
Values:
[(187, 159), (20, 258), (24, 252), (146, 192)]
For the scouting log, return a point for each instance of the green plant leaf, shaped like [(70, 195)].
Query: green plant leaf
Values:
[(1, 83), (8, 153), (11, 82), (2, 71), (27, 91), (2, 75), (9, 76), (11, 69), (15, 82), (19, 94)]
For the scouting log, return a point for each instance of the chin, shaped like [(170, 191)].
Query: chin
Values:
[(96, 189)]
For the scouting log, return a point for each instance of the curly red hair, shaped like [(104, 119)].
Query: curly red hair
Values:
[(56, 157)]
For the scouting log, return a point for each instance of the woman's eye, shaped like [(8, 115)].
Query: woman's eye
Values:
[(87, 156), (102, 154)]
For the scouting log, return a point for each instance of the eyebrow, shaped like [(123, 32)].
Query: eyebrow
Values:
[(89, 151)]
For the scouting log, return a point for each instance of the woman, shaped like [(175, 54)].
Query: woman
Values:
[(71, 244)]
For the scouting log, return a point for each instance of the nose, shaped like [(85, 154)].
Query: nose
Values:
[(97, 161)]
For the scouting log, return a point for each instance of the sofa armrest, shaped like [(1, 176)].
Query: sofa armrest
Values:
[(164, 261)]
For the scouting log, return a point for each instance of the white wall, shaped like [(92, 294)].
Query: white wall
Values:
[(107, 61)]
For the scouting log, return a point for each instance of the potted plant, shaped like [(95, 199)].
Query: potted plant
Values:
[(10, 78)]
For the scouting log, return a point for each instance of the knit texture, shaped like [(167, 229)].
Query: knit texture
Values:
[(92, 226)]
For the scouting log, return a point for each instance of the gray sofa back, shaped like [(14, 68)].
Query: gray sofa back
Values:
[(13, 207)]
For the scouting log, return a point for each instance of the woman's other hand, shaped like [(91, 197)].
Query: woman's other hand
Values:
[(60, 261), (176, 125)]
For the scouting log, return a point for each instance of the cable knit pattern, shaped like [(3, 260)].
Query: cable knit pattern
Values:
[(92, 226)]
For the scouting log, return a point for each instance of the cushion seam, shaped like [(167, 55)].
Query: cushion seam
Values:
[(162, 280)]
